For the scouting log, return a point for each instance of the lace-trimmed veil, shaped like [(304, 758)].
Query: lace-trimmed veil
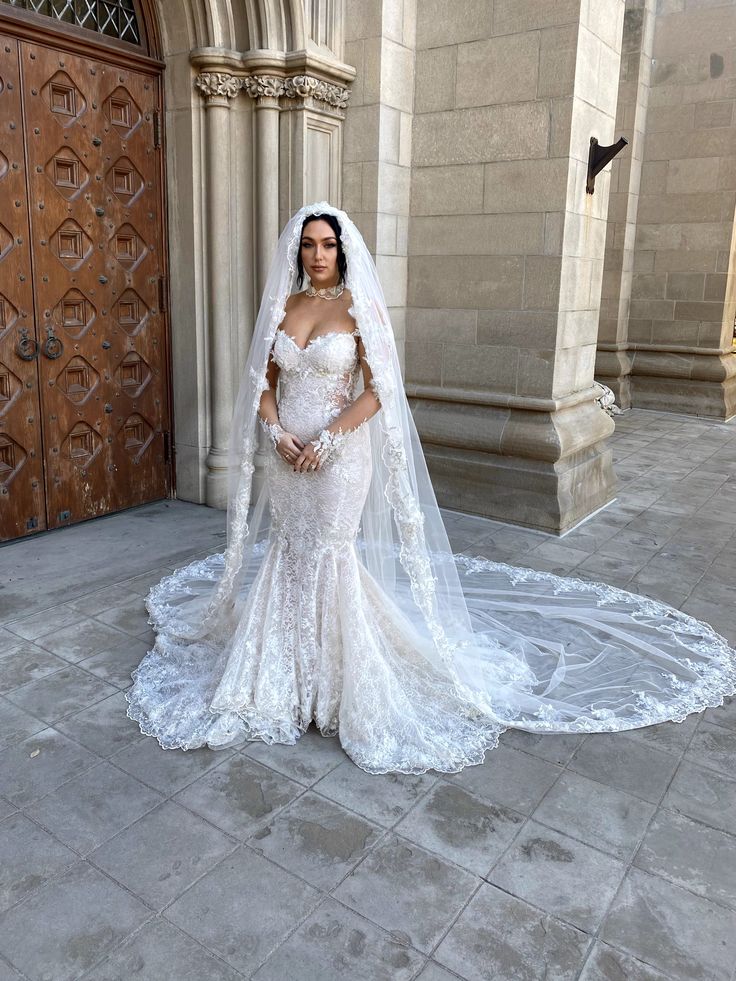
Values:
[(528, 649)]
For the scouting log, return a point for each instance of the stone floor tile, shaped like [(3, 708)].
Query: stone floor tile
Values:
[(7, 973), (316, 840), (167, 770), (383, 799), (335, 944), (605, 963), (683, 935), (499, 938), (433, 972), (312, 757), (130, 617), (42, 623), (91, 808), (163, 853), (68, 691), (671, 586), (547, 746), (714, 747), (39, 764), (142, 584), (724, 715), (625, 764), (28, 858), (691, 854), (15, 724), (557, 873), (116, 664), (73, 920), (670, 737), (600, 816), (468, 830), (509, 777), (23, 662), (159, 951), (81, 639), (557, 558), (103, 727), (243, 909), (6, 808), (408, 891), (99, 600), (704, 795), (240, 796), (610, 569)]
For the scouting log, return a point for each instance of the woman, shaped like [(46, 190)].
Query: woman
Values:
[(338, 599)]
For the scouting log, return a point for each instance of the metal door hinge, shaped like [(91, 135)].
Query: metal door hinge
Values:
[(163, 294), (157, 128), (32, 522)]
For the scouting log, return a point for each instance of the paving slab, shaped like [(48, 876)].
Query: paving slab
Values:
[(39, 764), (704, 795), (605, 963), (625, 764), (28, 858), (499, 937), (509, 777), (313, 756), (383, 799), (103, 727), (15, 724), (22, 662), (61, 694)]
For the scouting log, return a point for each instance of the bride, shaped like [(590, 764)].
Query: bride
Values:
[(338, 599)]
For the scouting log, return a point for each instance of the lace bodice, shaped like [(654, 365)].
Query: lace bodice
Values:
[(316, 382)]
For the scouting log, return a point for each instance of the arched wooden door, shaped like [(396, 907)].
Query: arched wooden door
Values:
[(84, 355)]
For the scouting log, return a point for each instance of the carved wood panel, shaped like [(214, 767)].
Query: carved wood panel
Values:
[(21, 465), (96, 229)]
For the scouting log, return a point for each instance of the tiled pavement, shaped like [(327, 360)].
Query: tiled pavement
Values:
[(601, 857)]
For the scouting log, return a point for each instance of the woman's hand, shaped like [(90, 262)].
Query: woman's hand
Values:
[(289, 447), (307, 460)]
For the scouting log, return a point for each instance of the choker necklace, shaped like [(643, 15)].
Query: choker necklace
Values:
[(328, 292)]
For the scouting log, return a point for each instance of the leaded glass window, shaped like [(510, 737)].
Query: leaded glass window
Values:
[(114, 18)]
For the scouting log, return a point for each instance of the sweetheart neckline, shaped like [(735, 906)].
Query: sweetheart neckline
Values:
[(329, 333)]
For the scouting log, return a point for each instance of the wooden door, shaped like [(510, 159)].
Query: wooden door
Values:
[(82, 140)]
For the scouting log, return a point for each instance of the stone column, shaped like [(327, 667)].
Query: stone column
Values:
[(506, 254), (266, 90), (613, 361), (219, 89)]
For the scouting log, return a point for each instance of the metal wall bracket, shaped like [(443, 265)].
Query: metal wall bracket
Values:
[(598, 157)]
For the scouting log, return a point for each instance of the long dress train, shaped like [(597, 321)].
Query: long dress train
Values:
[(313, 637)]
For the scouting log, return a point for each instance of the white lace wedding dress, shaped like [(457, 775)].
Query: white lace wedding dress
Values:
[(313, 637)]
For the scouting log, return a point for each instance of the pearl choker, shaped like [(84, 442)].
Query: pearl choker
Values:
[(327, 293)]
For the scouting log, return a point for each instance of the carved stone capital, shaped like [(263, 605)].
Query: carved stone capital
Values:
[(303, 86), (263, 86), (217, 85)]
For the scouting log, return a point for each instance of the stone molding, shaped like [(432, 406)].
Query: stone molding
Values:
[(217, 85)]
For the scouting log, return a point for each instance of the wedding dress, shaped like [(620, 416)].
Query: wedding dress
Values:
[(339, 602)]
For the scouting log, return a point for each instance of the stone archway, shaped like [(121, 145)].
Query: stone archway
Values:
[(251, 87)]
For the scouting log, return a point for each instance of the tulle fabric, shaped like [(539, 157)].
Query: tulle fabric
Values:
[(313, 635)]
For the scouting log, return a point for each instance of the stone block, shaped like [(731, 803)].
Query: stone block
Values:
[(447, 190), (497, 70), (480, 367), (389, 138), (508, 132), (557, 59), (392, 271), (361, 134), (435, 79), (715, 286), (453, 326), (491, 282), (363, 18), (514, 16), (684, 259), (542, 282), (423, 362), (394, 184), (711, 310), (685, 286), (525, 185), (440, 23), (687, 176), (560, 126), (649, 309), (405, 130), (397, 75), (535, 373), (505, 234), (650, 286), (525, 329)]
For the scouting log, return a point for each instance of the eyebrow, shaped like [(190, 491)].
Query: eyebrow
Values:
[(327, 238)]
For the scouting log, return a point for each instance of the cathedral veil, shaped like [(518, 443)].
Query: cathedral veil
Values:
[(524, 648)]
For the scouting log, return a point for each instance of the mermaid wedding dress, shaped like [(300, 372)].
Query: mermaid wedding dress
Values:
[(415, 658)]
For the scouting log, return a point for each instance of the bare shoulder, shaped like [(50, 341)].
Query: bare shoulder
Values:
[(294, 301)]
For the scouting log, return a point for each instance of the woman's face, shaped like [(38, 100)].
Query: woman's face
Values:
[(319, 253)]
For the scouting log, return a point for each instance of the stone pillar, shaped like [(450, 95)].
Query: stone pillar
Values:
[(683, 295), (613, 361), (266, 89), (219, 89), (506, 254)]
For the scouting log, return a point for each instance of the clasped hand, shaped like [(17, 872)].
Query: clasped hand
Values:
[(301, 456)]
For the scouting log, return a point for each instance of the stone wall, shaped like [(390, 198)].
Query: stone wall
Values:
[(675, 346), (506, 253)]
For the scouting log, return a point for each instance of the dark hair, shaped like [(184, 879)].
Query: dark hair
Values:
[(342, 262)]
